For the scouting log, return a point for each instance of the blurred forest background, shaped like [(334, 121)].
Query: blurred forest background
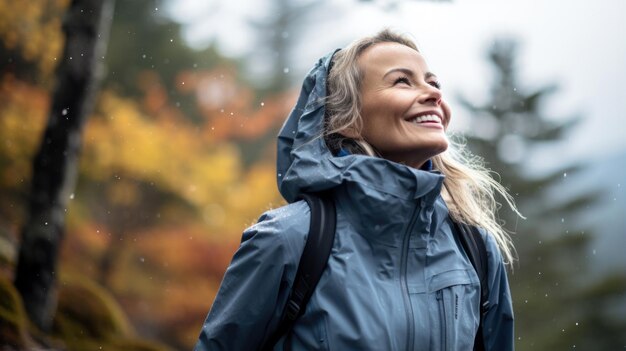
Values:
[(178, 157)]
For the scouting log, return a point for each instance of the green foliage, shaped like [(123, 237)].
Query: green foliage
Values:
[(87, 311), (142, 39), (89, 318), (558, 304)]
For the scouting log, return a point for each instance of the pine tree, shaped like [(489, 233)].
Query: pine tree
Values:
[(556, 306)]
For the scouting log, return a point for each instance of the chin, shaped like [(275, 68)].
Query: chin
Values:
[(440, 147)]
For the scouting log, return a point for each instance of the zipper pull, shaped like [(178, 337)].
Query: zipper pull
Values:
[(439, 295)]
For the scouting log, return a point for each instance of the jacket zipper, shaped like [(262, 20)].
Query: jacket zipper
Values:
[(403, 280), (442, 318)]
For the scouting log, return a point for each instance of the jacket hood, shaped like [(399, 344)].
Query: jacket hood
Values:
[(305, 164)]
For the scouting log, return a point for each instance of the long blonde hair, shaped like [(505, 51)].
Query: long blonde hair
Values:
[(469, 189)]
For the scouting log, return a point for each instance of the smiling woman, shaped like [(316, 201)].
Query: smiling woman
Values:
[(369, 129), (403, 113)]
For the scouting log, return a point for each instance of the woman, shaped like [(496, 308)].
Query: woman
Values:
[(371, 129)]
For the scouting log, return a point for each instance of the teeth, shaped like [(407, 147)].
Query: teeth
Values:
[(426, 118)]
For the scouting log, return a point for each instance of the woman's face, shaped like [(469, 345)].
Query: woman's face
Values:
[(404, 116)]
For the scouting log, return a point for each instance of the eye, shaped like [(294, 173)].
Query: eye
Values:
[(436, 84), (404, 80)]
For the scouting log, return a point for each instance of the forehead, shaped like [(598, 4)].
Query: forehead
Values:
[(380, 58)]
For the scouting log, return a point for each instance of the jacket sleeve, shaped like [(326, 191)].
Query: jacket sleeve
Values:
[(254, 285), (498, 327)]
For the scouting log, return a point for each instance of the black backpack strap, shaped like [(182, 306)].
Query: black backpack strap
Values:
[(313, 261), (474, 246)]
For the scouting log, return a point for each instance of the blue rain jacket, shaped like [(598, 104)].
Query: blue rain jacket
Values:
[(396, 279)]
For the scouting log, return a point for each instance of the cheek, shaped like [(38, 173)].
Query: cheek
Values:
[(379, 116), (447, 114)]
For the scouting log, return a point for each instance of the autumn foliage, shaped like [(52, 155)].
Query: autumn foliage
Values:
[(162, 196)]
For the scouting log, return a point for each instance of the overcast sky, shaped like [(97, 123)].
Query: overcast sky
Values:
[(579, 44)]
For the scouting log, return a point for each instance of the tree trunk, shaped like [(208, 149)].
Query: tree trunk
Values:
[(86, 26)]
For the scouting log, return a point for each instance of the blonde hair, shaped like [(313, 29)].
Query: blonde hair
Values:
[(469, 190)]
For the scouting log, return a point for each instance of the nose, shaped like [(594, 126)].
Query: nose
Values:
[(430, 95)]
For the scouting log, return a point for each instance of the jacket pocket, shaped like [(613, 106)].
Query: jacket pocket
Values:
[(457, 295)]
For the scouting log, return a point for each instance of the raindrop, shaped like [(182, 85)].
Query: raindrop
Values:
[(594, 252), (195, 65), (143, 56), (142, 260), (64, 111), (576, 323), (286, 70), (72, 196), (156, 9), (262, 104), (562, 220), (232, 114), (564, 175), (45, 223), (171, 40)]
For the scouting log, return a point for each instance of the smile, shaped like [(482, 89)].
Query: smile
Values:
[(425, 119)]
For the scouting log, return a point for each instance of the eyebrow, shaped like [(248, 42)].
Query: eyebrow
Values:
[(407, 71)]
